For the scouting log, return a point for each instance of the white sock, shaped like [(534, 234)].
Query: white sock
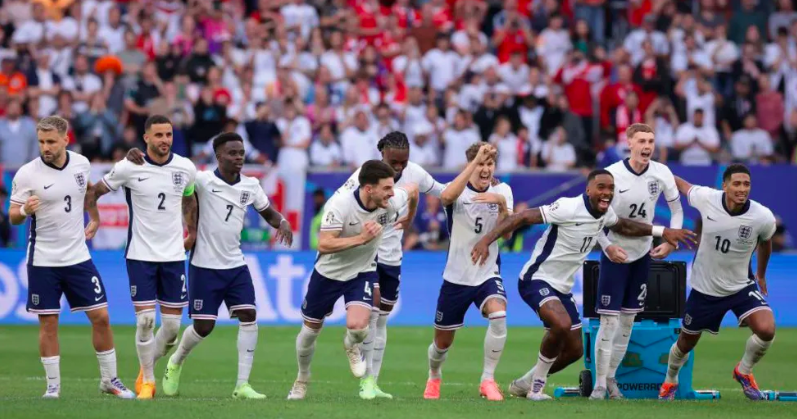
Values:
[(753, 352), (52, 370), (354, 337), (436, 358), (603, 348), (247, 342), (527, 378), (676, 360), (543, 366), (620, 344), (166, 338), (189, 341), (107, 360), (145, 343), (305, 347), (494, 342), (380, 343), (368, 343)]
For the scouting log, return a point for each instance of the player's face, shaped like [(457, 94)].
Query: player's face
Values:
[(159, 139), (231, 157), (642, 146), (397, 159), (381, 193), (52, 146), (601, 192), (483, 175), (737, 188)]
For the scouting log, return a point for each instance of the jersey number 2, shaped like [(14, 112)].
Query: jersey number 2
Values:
[(162, 197)]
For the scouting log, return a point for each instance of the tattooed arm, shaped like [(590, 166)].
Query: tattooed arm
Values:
[(509, 224), (190, 212)]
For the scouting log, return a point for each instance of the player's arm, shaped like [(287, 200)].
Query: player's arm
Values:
[(90, 206), (279, 223), (329, 241), (614, 252), (671, 194), (630, 228), (509, 224), (413, 196), (23, 202), (455, 188), (682, 185), (190, 216), (763, 253), (503, 207)]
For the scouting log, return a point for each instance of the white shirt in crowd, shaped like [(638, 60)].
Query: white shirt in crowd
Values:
[(29, 32), (303, 15), (87, 83), (67, 28), (696, 155), (562, 155), (679, 61), (411, 69), (665, 132), (325, 155), (456, 142), (113, 37), (336, 65), (481, 63), (460, 39), (441, 67), (358, 146), (553, 48), (723, 54), (633, 44), (706, 102), (514, 78), (507, 147), (298, 131), (751, 145), (531, 118)]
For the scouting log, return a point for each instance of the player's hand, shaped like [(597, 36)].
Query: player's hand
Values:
[(762, 284), (489, 198), (32, 205), (91, 229), (486, 151), (284, 233), (403, 223), (188, 242), (371, 229), (616, 254), (480, 253), (675, 236), (136, 156), (662, 251)]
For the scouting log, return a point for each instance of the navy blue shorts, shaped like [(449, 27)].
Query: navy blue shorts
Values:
[(81, 283), (389, 277), (622, 287), (455, 299), (704, 313), (161, 282), (537, 292), (210, 287), (323, 293)]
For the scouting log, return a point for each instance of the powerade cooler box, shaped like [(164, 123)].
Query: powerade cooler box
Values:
[(655, 330)]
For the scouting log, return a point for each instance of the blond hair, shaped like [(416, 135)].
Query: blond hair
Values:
[(637, 128), (53, 123)]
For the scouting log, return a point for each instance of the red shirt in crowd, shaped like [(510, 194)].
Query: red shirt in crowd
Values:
[(613, 96), (577, 80), (514, 41), (367, 16), (407, 17)]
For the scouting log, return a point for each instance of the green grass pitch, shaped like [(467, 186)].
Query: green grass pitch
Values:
[(209, 377)]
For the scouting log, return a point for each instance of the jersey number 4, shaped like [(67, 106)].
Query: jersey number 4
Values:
[(638, 211)]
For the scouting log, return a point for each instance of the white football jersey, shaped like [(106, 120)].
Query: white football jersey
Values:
[(222, 209), (346, 213), (635, 197), (722, 265), (390, 252), (562, 249), (154, 194), (467, 223), (57, 234)]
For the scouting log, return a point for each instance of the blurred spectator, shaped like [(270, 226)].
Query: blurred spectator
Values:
[(769, 108), (557, 153), (44, 86), (264, 133), (325, 151), (147, 89), (319, 199), (82, 84), (554, 43), (456, 139), (633, 42), (423, 147), (439, 64), (751, 144), (113, 33), (746, 17), (12, 80), (92, 45), (429, 230), (736, 108), (514, 36), (357, 142), (661, 115), (18, 141), (98, 127), (783, 18), (697, 142), (507, 145)]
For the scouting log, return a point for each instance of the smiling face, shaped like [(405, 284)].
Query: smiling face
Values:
[(737, 188), (600, 191), (380, 193), (159, 139)]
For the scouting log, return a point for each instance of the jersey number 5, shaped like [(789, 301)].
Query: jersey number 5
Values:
[(479, 225)]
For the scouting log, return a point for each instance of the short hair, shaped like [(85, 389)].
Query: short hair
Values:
[(53, 123), (597, 172), (156, 119), (636, 128), (733, 169), (224, 138), (373, 171), (473, 151), (396, 140)]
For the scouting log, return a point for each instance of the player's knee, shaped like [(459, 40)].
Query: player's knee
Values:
[(359, 334), (574, 353), (358, 323), (204, 327), (145, 320), (100, 320), (170, 323), (497, 325), (766, 333), (560, 326), (48, 326), (246, 316)]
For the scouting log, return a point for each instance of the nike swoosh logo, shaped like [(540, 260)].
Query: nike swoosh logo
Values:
[(710, 219), (579, 224), (354, 224), (182, 296), (52, 378), (49, 186), (142, 179), (604, 340), (624, 191), (495, 352), (216, 191), (250, 350), (98, 298)]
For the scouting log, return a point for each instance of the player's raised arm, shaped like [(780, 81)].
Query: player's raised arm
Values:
[(455, 188), (635, 229), (506, 226), (682, 185)]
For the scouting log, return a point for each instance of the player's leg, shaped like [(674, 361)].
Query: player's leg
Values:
[(144, 293), (319, 301), (370, 340), (633, 303), (102, 338), (612, 282), (44, 300), (492, 304), (172, 298), (240, 299), (752, 309), (452, 304), (358, 296), (385, 298)]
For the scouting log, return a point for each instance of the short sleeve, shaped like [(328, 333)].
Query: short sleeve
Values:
[(20, 189), (351, 184), (427, 185), (610, 218), (556, 213), (768, 227), (400, 199), (261, 202), (189, 189), (510, 198), (119, 175), (332, 219), (699, 196)]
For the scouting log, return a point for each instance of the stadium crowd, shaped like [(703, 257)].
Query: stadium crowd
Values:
[(552, 84)]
